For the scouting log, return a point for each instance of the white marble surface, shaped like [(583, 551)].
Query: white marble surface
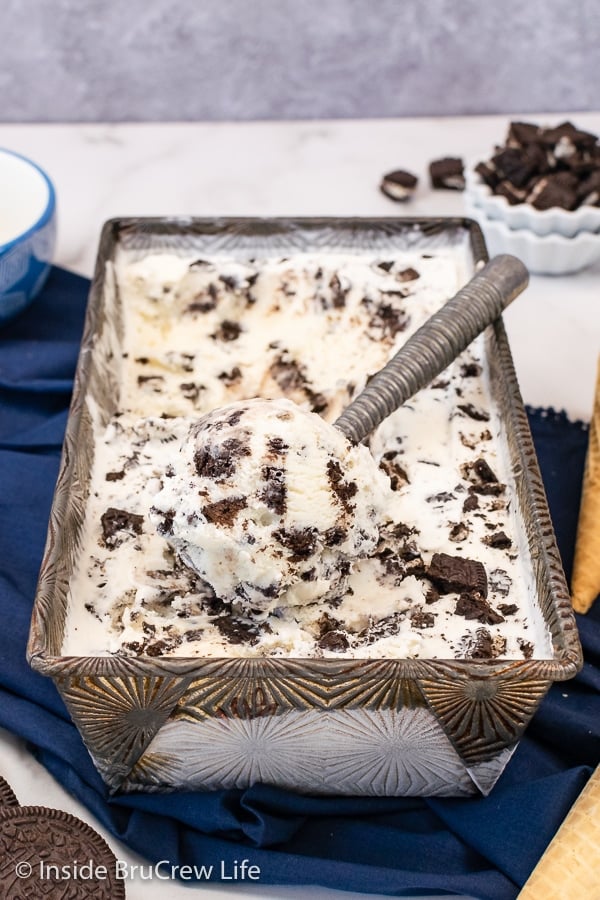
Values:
[(302, 168)]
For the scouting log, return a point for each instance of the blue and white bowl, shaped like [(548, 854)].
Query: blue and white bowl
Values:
[(27, 231)]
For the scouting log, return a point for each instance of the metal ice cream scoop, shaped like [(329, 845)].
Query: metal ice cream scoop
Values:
[(435, 345)]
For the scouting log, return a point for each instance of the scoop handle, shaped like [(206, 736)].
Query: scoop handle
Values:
[(435, 344)]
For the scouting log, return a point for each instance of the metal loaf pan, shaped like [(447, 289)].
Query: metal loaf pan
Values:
[(380, 727)]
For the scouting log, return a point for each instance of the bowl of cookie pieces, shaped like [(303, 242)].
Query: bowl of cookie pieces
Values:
[(537, 196)]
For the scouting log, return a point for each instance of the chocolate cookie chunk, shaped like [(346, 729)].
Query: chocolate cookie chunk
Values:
[(421, 619), (408, 274), (500, 582), (219, 462), (487, 173), (277, 446), (274, 493), (483, 646), (479, 415), (522, 133), (343, 489), (387, 320), (7, 795), (457, 573), (191, 390), (588, 192), (334, 640), (287, 373), (152, 383), (484, 472), (290, 375), (470, 370), (224, 512), (515, 166), (115, 521), (302, 542), (508, 609), (399, 185), (513, 194), (526, 647), (554, 190), (232, 377), (47, 843), (327, 623), (471, 503), (392, 468), (459, 532), (545, 167), (566, 131), (447, 173), (237, 631), (228, 331), (473, 606), (499, 540), (338, 292)]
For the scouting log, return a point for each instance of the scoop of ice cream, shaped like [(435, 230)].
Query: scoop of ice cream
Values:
[(270, 504)]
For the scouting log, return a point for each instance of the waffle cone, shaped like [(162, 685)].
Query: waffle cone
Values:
[(585, 583), (570, 867)]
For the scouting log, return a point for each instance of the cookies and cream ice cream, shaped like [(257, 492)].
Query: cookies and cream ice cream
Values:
[(439, 568), (270, 505)]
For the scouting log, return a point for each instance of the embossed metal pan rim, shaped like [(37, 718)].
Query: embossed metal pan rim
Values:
[(46, 618)]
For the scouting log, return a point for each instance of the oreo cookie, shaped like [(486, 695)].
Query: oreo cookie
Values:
[(44, 852), (588, 191), (447, 174), (228, 331), (499, 540), (483, 646), (513, 194), (224, 512), (559, 189), (474, 606), (399, 185), (457, 573), (522, 133), (567, 132), (237, 631), (545, 167), (335, 641), (117, 524), (515, 166), (487, 173), (7, 795)]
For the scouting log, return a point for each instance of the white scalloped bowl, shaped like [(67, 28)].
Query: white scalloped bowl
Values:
[(550, 254), (539, 221)]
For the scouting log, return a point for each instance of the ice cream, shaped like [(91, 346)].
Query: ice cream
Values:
[(450, 574), (270, 505)]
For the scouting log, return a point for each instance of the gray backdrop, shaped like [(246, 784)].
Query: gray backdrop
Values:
[(164, 60)]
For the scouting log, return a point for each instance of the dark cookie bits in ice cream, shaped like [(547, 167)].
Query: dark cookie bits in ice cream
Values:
[(118, 524), (453, 573), (222, 525), (253, 529)]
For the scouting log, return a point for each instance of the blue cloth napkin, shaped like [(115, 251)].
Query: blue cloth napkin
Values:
[(484, 847)]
